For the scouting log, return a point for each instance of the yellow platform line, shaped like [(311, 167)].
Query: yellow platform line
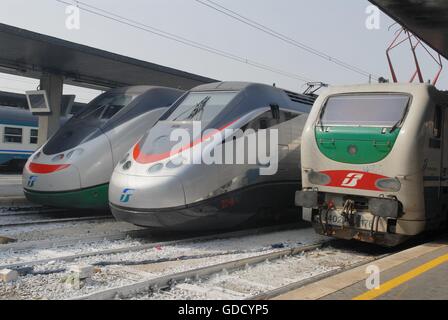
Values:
[(391, 284)]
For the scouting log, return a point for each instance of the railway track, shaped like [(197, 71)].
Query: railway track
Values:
[(168, 281), (29, 215), (61, 243), (216, 279), (51, 220), (12, 209), (205, 267), (135, 235), (30, 211), (299, 284), (204, 283)]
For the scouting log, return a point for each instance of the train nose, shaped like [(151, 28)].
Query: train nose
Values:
[(41, 181), (48, 178), (138, 192)]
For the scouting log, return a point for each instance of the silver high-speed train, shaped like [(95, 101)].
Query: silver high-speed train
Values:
[(154, 186), (72, 170)]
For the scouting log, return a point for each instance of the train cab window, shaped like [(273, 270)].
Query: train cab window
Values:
[(262, 122), (33, 136), (12, 135), (201, 106), (105, 107), (289, 115), (378, 110), (111, 111), (269, 119)]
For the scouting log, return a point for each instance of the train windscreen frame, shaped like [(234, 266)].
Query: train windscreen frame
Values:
[(87, 124), (373, 110), (201, 106), (105, 106)]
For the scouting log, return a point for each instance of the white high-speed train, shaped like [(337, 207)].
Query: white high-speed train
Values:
[(73, 169)]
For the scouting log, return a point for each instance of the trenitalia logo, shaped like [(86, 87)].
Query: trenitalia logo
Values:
[(352, 180), (126, 195), (31, 181)]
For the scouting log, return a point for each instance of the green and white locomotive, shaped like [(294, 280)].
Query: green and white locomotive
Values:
[(375, 162)]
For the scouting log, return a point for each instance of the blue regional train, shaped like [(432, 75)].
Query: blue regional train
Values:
[(18, 136)]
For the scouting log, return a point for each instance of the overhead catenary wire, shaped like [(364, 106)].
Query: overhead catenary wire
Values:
[(144, 27), (254, 24)]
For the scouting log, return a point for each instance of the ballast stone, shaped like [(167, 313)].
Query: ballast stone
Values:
[(6, 240), (82, 271), (7, 275)]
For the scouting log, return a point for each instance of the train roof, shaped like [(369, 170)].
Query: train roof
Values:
[(239, 86), (17, 117), (414, 89), (223, 86), (139, 89), (411, 88)]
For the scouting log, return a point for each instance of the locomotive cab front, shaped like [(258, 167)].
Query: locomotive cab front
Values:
[(368, 154)]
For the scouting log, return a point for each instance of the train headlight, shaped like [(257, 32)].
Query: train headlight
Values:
[(126, 158), (155, 168), (127, 165), (57, 158), (175, 163), (75, 153), (389, 184), (319, 178)]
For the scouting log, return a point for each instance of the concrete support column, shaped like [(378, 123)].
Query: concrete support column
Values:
[(49, 124)]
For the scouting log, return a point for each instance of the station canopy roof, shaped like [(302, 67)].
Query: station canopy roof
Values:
[(427, 19), (31, 54)]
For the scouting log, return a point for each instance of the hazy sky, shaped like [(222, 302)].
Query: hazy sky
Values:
[(336, 27)]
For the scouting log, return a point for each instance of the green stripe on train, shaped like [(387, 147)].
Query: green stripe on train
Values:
[(355, 145), (91, 198)]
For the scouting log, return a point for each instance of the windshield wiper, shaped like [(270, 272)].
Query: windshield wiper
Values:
[(199, 107), (395, 127), (321, 116)]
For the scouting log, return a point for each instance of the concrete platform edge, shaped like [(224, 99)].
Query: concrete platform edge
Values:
[(325, 287)]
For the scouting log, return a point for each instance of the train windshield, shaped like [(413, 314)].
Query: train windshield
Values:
[(105, 107), (201, 106), (86, 125), (197, 106), (379, 110)]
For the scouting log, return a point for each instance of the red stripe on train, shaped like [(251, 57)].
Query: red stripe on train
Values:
[(151, 158), (46, 168)]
